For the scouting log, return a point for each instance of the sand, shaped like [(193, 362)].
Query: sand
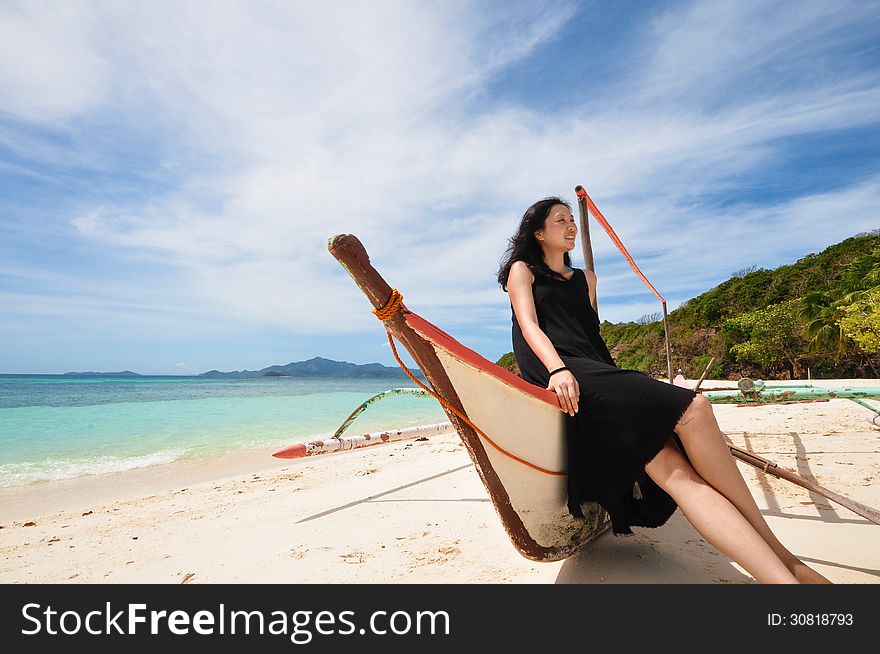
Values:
[(416, 512)]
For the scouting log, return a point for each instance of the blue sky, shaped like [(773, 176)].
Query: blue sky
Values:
[(170, 172)]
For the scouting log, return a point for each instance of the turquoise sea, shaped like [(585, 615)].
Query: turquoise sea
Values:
[(56, 427)]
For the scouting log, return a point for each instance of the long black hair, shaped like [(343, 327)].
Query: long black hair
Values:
[(525, 247)]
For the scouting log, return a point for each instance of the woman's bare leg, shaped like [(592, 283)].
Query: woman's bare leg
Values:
[(715, 518), (708, 452)]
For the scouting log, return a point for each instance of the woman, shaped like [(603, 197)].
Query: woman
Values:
[(638, 446)]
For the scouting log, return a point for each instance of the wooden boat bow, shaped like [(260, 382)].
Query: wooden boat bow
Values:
[(543, 531)]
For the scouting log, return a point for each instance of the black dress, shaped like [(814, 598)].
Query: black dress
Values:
[(624, 417)]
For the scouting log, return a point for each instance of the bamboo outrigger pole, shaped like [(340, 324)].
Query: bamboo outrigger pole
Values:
[(797, 393), (418, 392), (343, 443), (703, 376), (587, 206), (771, 468)]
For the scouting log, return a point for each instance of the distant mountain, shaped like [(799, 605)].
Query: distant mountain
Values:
[(124, 373), (318, 367)]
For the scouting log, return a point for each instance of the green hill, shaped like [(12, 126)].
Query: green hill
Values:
[(820, 314)]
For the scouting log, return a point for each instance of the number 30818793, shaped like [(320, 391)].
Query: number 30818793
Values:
[(809, 619)]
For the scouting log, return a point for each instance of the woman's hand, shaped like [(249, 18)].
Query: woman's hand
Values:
[(565, 386)]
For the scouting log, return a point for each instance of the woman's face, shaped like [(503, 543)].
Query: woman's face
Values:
[(559, 231)]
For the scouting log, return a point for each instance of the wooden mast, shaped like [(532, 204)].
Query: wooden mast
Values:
[(587, 206)]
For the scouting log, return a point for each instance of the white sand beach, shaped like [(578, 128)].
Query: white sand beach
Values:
[(416, 511)]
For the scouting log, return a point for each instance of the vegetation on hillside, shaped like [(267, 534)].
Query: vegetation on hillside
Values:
[(819, 316)]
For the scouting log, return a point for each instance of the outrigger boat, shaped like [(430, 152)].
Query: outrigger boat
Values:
[(513, 431)]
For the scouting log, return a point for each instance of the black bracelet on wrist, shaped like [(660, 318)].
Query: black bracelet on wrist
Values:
[(557, 370)]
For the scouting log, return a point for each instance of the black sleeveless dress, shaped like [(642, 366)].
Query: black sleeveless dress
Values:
[(624, 417)]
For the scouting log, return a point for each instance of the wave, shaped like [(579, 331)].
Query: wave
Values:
[(29, 472)]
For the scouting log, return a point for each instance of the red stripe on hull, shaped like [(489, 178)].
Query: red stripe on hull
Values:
[(443, 339)]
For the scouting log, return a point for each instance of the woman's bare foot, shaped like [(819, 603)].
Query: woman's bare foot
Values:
[(805, 574)]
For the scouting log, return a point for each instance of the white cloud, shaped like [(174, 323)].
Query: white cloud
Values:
[(739, 49), (51, 72), (290, 122)]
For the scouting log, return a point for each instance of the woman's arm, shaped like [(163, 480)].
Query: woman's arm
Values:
[(519, 287), (591, 282)]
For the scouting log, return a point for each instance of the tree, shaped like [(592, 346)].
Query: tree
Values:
[(744, 271), (822, 314), (509, 361), (862, 274), (773, 336), (860, 319)]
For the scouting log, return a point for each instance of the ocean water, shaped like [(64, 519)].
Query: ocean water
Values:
[(54, 427)]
